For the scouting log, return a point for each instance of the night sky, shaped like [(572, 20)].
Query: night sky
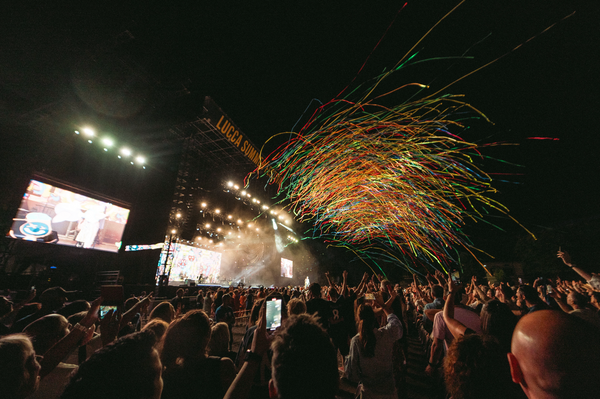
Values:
[(263, 63)]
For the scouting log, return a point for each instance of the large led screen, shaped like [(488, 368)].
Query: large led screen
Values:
[(56, 216), (191, 264), (287, 268)]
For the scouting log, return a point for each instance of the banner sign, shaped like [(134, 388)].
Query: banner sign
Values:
[(227, 128)]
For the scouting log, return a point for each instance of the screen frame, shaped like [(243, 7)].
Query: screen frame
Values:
[(76, 190)]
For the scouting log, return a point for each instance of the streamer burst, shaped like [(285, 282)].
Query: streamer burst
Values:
[(370, 177), (397, 183)]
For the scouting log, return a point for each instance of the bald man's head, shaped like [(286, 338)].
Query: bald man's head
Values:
[(556, 355)]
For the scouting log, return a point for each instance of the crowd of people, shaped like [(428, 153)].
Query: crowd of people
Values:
[(482, 340)]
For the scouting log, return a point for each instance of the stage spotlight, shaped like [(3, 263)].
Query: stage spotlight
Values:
[(243, 193), (249, 225), (203, 205), (105, 149), (108, 142), (199, 238), (118, 156), (88, 132), (140, 159), (229, 233), (125, 152), (76, 131), (280, 217), (287, 221), (90, 141), (210, 241), (248, 195), (229, 217), (265, 207), (257, 229), (230, 184), (207, 225), (131, 162), (239, 221), (173, 231), (239, 236), (217, 211), (178, 215), (254, 200), (219, 229), (236, 186)]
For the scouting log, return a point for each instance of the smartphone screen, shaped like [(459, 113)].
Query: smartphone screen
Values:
[(520, 280), (369, 296), (273, 314), (104, 309), (549, 289), (455, 276)]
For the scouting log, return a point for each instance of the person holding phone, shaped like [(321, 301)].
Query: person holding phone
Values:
[(370, 360)]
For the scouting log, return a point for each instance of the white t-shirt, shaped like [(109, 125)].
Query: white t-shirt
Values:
[(467, 317)]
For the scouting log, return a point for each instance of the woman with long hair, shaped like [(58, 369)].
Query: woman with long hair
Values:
[(475, 366), (20, 370), (370, 359)]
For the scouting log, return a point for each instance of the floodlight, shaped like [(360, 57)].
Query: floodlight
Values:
[(88, 132)]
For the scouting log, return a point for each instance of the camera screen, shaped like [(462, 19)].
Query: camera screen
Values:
[(105, 309), (273, 314)]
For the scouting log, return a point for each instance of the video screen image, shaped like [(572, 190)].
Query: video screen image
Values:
[(53, 215), (192, 264), (287, 268)]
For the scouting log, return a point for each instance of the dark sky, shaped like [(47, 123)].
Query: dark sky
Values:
[(264, 61)]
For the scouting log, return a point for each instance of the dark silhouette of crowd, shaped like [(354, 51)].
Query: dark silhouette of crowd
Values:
[(481, 339)]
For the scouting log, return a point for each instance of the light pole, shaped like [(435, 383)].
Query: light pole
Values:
[(164, 278)]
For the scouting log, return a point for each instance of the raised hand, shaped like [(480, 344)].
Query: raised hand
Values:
[(261, 342), (566, 258), (92, 314)]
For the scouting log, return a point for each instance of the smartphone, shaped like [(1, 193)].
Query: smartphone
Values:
[(104, 309), (369, 296), (520, 281), (273, 314), (549, 289), (455, 276)]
